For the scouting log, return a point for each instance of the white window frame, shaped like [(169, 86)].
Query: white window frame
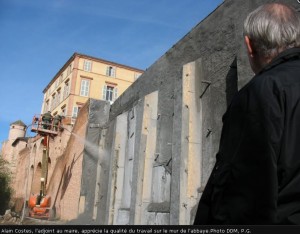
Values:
[(58, 98), (109, 93), (66, 89), (75, 111), (111, 71), (84, 88), (87, 65), (53, 102)]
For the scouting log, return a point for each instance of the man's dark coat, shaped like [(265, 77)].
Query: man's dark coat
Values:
[(256, 179)]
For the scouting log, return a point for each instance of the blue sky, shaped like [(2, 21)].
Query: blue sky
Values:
[(38, 37)]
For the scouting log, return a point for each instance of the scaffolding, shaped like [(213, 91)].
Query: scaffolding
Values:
[(45, 128)]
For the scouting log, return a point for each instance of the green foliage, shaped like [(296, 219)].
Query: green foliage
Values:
[(5, 189)]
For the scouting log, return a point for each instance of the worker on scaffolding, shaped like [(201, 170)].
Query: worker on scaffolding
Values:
[(57, 121), (47, 119)]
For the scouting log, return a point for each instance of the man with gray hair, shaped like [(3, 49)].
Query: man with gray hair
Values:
[(256, 179)]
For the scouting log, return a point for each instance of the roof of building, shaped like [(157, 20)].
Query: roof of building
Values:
[(18, 122), (91, 58)]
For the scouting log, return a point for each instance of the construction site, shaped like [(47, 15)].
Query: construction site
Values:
[(143, 158)]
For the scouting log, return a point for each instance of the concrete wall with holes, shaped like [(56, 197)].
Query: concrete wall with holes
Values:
[(158, 147)]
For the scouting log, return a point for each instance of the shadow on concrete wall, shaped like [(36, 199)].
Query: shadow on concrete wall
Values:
[(67, 175), (231, 82)]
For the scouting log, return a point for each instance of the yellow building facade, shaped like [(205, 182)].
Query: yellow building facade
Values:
[(83, 77)]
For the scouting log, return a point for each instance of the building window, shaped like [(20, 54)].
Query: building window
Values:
[(69, 69), (76, 110), (61, 77), (84, 89), (111, 71), (53, 103), (66, 89), (87, 65), (46, 108), (63, 111), (58, 97), (109, 93)]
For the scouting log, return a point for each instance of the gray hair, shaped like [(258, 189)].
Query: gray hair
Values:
[(273, 28)]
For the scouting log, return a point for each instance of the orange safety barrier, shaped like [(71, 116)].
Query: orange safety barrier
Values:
[(32, 201), (39, 210), (45, 202)]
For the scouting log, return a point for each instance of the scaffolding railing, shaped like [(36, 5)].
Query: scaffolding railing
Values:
[(49, 126)]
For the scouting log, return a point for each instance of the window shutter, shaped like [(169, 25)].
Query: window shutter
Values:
[(81, 88), (87, 65), (87, 88), (104, 90), (115, 94), (107, 71), (84, 65), (113, 72), (75, 111)]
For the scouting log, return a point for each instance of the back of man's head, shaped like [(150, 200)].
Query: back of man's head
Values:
[(273, 28)]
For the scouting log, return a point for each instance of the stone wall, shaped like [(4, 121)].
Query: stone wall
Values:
[(66, 174), (158, 148), (146, 159)]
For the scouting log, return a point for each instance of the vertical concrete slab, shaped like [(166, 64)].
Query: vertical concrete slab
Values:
[(150, 218), (129, 158), (123, 216), (144, 157), (117, 168), (120, 186), (193, 87), (160, 185), (97, 118), (100, 166), (105, 151), (153, 218), (162, 164), (162, 219), (176, 152), (139, 155)]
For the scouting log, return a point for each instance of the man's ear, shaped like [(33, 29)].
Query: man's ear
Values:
[(249, 46)]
